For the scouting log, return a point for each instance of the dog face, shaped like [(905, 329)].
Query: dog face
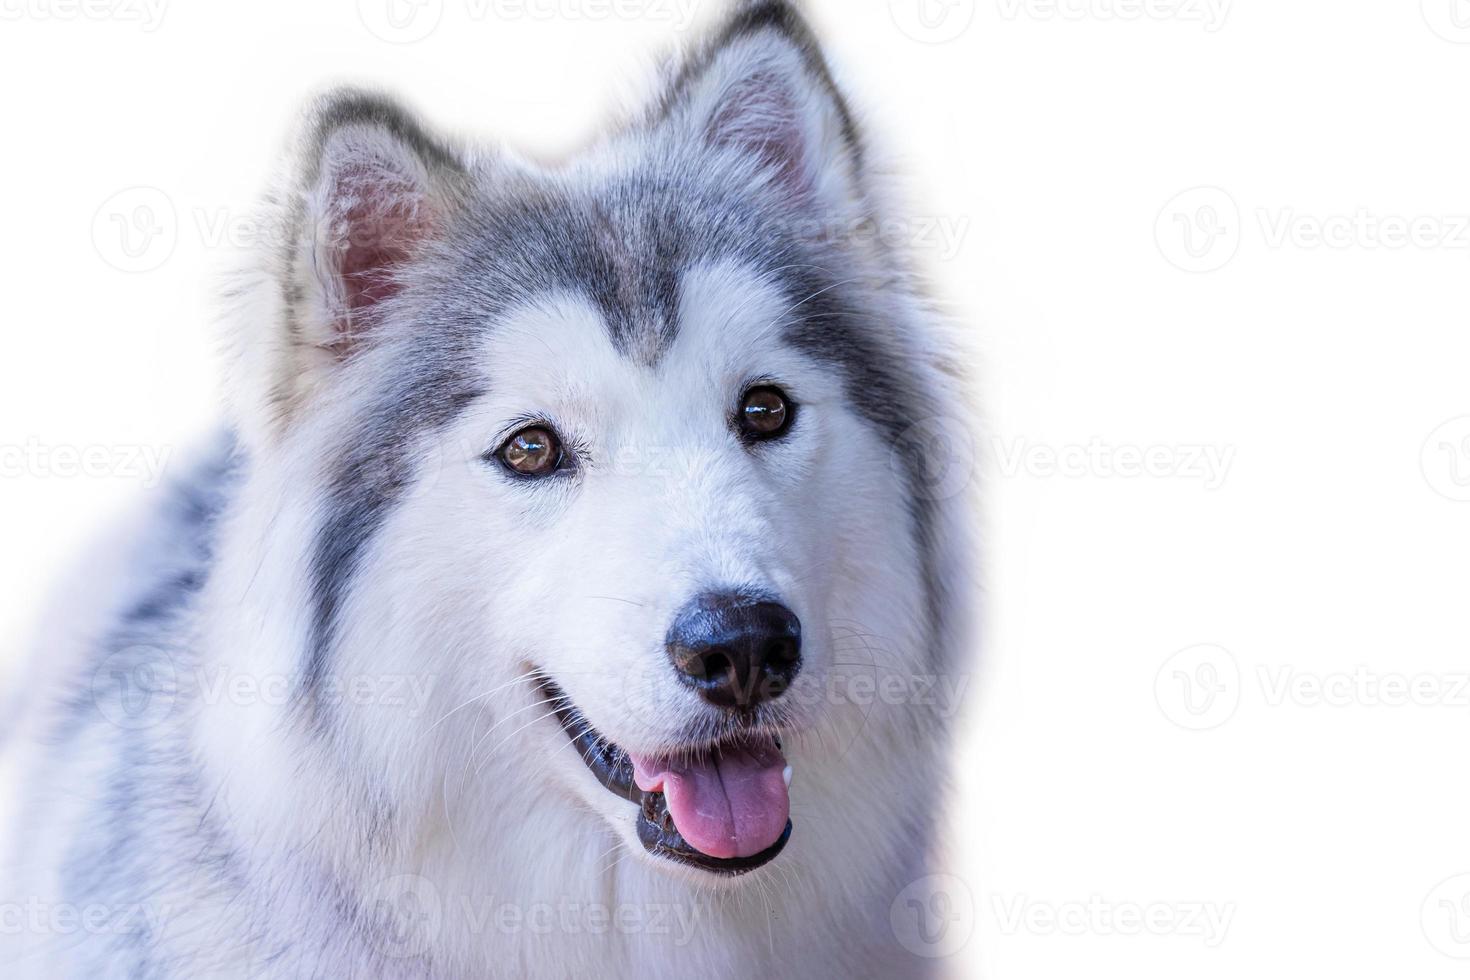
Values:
[(629, 454)]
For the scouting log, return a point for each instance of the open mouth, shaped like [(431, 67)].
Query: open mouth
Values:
[(723, 809)]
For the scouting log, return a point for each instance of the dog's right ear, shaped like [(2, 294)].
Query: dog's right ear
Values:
[(761, 88), (368, 192)]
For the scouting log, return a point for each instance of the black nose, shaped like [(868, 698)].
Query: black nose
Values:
[(736, 650)]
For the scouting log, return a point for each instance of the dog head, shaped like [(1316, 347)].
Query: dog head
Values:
[(633, 455)]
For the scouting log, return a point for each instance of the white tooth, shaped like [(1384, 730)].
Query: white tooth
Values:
[(786, 775)]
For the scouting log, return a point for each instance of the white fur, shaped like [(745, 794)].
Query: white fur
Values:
[(469, 796)]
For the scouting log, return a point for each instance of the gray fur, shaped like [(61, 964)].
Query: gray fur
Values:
[(154, 829)]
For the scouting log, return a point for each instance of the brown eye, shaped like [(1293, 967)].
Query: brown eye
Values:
[(765, 413), (533, 451)]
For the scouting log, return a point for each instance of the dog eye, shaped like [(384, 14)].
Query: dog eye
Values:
[(765, 412), (533, 451)]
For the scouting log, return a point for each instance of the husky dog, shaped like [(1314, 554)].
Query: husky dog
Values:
[(569, 595)]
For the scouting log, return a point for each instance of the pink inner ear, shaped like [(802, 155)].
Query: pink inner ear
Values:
[(364, 276), (760, 115), (380, 219)]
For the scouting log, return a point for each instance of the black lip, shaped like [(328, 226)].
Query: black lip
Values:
[(614, 770), (659, 836)]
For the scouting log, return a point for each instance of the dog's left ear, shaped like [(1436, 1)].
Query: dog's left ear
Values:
[(763, 89), (368, 191), (374, 187)]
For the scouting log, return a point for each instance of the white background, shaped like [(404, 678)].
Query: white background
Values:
[(1276, 322)]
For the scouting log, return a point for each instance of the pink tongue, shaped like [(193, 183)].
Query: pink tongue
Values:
[(734, 805)]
